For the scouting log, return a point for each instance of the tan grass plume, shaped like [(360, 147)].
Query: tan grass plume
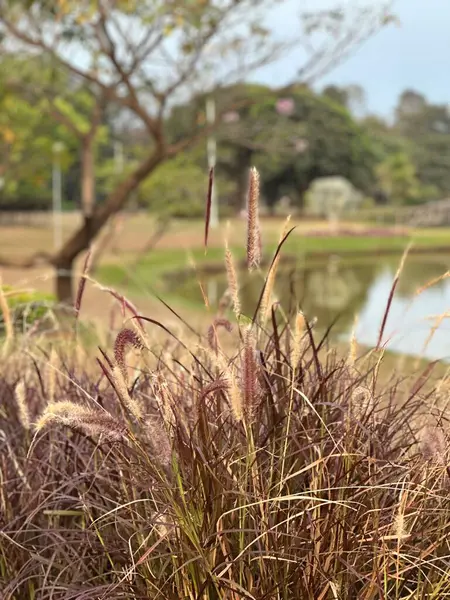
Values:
[(232, 279), (122, 390), (251, 388), (353, 353), (89, 421), (299, 332), (253, 226), (433, 444), (22, 406)]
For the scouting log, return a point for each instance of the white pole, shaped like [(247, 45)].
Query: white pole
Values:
[(119, 157), (57, 195), (212, 152)]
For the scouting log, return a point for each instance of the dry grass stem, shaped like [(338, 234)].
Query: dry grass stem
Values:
[(266, 301), (51, 369), (432, 282)]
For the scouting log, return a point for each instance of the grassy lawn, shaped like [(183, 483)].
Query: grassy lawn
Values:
[(183, 246), (126, 266)]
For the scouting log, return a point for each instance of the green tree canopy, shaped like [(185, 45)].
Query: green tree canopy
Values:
[(426, 127)]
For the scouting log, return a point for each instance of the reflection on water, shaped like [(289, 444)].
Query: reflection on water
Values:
[(361, 287)]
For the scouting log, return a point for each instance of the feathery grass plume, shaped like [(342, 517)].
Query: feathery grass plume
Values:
[(82, 282), (399, 526), (165, 403), (299, 332), (159, 441), (208, 205), (250, 381), (7, 319), (122, 390), (89, 421), (212, 336), (219, 385), (235, 395), (433, 444), (361, 402), (125, 339), (253, 227), (391, 294), (22, 406), (233, 285), (353, 354), (268, 289)]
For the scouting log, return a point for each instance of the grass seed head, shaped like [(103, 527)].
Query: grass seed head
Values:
[(233, 285), (213, 339), (434, 445), (127, 338), (253, 227), (122, 389), (89, 421), (251, 388), (22, 406)]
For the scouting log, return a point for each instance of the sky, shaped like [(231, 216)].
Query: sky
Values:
[(415, 54)]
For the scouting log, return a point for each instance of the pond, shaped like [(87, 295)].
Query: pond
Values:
[(343, 288)]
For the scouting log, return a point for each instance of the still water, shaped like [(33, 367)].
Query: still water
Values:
[(344, 288)]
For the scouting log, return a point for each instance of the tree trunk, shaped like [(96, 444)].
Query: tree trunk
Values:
[(64, 282), (83, 237), (87, 177)]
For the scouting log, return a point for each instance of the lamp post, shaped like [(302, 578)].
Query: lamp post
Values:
[(58, 147), (212, 154)]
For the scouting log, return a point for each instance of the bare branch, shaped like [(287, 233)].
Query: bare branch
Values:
[(109, 48)]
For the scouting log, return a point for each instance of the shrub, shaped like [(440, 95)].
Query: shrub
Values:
[(26, 307)]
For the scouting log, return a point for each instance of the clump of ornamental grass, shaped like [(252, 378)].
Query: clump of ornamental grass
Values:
[(268, 466)]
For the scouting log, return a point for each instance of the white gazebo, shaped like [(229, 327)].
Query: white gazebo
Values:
[(331, 196)]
